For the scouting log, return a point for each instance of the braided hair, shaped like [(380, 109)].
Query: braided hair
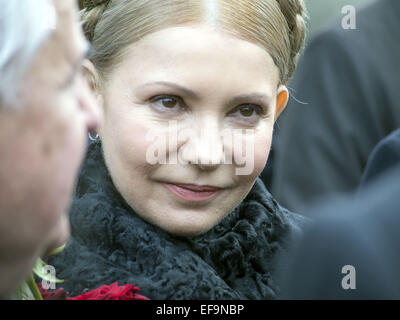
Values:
[(277, 25)]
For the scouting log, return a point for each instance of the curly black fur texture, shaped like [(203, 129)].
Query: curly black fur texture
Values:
[(109, 243)]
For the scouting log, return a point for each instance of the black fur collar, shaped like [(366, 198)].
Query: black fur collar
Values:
[(109, 243)]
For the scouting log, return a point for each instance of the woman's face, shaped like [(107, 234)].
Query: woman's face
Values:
[(189, 115)]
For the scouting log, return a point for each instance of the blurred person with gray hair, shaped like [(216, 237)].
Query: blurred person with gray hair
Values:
[(46, 110)]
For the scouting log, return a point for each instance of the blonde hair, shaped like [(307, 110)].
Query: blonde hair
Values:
[(278, 26)]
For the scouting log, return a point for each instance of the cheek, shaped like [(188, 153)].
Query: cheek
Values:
[(69, 135), (257, 147), (125, 144), (64, 148), (52, 143), (261, 153), (262, 146)]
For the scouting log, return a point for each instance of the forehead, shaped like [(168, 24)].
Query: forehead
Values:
[(65, 6), (68, 35), (200, 52), (62, 49), (67, 41)]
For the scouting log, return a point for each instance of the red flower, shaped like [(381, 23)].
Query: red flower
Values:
[(59, 294), (111, 292)]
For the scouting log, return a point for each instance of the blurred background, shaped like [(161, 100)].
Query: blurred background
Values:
[(344, 101), (324, 12)]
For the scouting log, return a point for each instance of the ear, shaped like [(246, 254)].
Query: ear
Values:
[(93, 79), (282, 98)]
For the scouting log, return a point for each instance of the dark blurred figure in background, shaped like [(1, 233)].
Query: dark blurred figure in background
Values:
[(384, 157), (46, 110), (352, 251), (348, 87)]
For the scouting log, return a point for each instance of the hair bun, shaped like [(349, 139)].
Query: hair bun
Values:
[(91, 12), (295, 14), (90, 4)]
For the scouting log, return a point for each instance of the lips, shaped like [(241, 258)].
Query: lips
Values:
[(192, 192)]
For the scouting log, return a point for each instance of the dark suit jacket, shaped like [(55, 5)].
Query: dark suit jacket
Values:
[(349, 86), (385, 156), (363, 232)]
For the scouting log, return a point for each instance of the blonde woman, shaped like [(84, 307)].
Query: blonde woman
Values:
[(170, 198)]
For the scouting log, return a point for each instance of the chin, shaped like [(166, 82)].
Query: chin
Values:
[(186, 230), (186, 233), (61, 235)]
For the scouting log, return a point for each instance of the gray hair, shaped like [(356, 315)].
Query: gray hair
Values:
[(24, 25)]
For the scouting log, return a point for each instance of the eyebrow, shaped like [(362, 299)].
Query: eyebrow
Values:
[(84, 55), (172, 85), (77, 66), (254, 97), (258, 97)]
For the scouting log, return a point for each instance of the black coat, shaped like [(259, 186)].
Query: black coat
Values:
[(346, 91), (360, 231), (385, 156), (110, 242)]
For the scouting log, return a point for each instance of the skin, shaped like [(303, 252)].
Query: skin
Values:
[(200, 59), (42, 145)]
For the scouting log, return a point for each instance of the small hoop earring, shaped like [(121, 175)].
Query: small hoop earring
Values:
[(95, 138)]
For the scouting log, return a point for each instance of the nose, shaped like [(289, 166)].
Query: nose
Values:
[(88, 104), (205, 147)]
